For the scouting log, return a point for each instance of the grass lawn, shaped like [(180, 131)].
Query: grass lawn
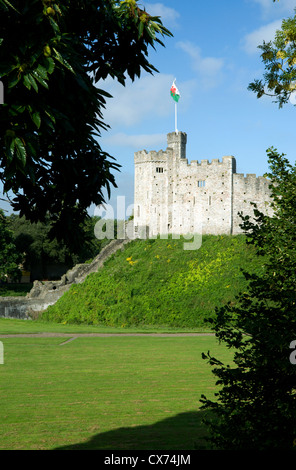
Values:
[(118, 392), (13, 326)]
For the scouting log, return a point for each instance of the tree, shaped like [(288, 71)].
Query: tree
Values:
[(279, 58), (52, 56), (256, 401), (38, 249), (10, 258)]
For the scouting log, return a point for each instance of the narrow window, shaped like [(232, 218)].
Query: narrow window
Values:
[(210, 200), (159, 169)]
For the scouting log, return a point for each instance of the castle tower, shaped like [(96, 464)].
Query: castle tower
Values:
[(177, 142)]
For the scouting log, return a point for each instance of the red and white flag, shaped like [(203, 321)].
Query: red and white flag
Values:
[(175, 94)]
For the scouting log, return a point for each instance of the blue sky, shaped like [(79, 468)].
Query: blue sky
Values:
[(214, 56)]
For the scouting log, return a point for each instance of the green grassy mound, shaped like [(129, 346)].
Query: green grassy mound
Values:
[(157, 282)]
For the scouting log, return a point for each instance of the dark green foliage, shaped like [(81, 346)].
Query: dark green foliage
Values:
[(52, 56), (10, 258), (156, 282), (38, 248), (256, 407), (15, 289)]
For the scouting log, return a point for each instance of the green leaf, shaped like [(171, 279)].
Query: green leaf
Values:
[(49, 64), (51, 116), (42, 72), (20, 151), (6, 3), (36, 119), (40, 79), (33, 82), (27, 82), (63, 61), (11, 149), (151, 32), (54, 25), (140, 29)]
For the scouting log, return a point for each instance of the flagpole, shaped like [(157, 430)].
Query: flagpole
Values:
[(176, 129)]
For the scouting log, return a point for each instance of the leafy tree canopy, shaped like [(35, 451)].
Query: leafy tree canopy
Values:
[(37, 248), (256, 407), (52, 55), (10, 258), (279, 58)]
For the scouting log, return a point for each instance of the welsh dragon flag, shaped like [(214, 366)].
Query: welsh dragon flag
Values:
[(175, 92)]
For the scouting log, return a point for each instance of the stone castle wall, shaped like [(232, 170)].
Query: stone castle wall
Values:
[(174, 196)]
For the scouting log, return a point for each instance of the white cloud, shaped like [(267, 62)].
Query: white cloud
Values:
[(278, 9), (168, 16), (143, 100), (266, 33), (137, 100), (208, 68), (270, 7), (136, 142)]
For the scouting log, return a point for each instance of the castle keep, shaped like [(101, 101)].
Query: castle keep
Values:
[(177, 197)]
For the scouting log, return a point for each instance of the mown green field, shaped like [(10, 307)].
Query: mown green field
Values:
[(158, 283), (123, 392), (111, 392)]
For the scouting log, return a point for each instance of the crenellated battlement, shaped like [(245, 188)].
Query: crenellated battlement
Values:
[(251, 182), (143, 156), (212, 163)]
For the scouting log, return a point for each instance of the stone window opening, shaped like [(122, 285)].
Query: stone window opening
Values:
[(159, 169), (201, 183)]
